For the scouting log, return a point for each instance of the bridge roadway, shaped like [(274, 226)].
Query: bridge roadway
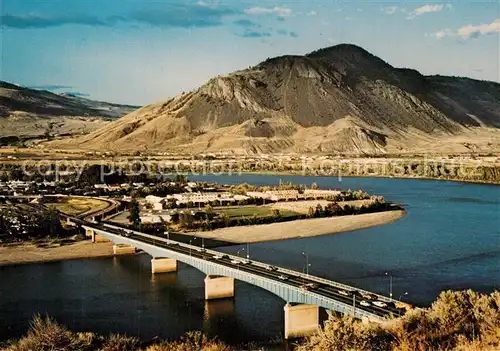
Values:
[(326, 295)]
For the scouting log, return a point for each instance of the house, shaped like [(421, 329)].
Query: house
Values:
[(320, 193), (283, 195), (203, 197)]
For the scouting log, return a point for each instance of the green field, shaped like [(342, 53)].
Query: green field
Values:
[(79, 206), (250, 211)]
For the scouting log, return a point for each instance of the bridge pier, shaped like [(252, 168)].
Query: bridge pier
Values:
[(218, 287), (89, 233), (122, 249), (301, 320), (96, 238), (163, 265)]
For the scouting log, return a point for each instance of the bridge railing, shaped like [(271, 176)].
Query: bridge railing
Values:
[(286, 291), (259, 264)]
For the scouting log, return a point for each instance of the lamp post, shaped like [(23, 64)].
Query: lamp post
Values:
[(190, 246), (401, 296), (307, 263), (390, 284), (248, 251)]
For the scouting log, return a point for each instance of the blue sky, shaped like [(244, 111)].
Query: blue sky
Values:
[(143, 51)]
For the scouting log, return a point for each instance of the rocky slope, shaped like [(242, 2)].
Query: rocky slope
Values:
[(338, 99), (28, 114)]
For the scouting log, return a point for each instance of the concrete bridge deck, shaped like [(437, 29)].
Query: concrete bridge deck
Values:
[(286, 283)]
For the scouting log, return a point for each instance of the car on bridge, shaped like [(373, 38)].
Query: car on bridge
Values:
[(220, 257), (272, 268), (369, 296), (364, 303), (309, 286), (344, 292), (283, 277), (379, 304)]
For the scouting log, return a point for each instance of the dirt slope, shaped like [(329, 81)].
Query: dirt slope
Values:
[(338, 99), (27, 114)]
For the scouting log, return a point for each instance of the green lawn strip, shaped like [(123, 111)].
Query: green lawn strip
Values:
[(259, 211)]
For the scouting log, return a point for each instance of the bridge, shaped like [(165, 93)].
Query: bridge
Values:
[(303, 293)]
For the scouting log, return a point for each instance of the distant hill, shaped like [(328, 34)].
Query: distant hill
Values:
[(30, 114), (340, 99)]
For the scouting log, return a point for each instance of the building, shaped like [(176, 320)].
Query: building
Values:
[(203, 197), (150, 218), (156, 202), (320, 193), (275, 195)]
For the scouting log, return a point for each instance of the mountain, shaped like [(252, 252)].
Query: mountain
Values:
[(29, 114), (340, 99)]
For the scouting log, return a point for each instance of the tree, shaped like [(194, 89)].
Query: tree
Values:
[(333, 209), (134, 216), (319, 211), (311, 212), (51, 222), (276, 213)]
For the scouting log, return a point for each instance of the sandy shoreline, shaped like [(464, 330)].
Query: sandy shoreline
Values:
[(301, 228), (29, 253)]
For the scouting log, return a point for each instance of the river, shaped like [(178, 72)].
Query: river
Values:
[(450, 239)]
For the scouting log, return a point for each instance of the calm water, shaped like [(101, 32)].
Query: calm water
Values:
[(450, 239)]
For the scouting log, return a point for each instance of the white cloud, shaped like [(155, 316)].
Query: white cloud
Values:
[(312, 13), (390, 10), (277, 10), (207, 4), (470, 31), (442, 33), (427, 9)]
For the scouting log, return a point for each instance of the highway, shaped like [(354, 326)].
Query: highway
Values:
[(350, 295)]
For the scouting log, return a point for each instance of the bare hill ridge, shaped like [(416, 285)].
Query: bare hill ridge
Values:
[(28, 113), (337, 99)]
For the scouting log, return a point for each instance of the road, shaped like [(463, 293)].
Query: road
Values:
[(294, 279)]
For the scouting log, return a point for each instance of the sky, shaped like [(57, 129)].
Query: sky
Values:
[(145, 51)]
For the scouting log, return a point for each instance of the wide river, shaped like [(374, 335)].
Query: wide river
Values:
[(450, 239)]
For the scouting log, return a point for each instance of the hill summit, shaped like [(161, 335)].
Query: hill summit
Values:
[(340, 99)]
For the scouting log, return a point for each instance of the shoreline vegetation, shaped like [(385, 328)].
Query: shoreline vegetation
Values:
[(51, 250), (384, 176), (461, 167), (456, 321)]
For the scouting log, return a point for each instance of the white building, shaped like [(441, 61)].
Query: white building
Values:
[(203, 197), (156, 218), (320, 193)]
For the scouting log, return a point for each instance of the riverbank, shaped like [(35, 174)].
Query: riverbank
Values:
[(303, 228), (30, 253), (312, 174)]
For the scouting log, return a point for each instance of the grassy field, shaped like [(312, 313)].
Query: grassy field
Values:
[(250, 211), (79, 206)]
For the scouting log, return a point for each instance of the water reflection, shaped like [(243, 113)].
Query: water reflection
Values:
[(219, 315), (440, 244)]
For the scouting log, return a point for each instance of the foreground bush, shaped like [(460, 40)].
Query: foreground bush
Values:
[(47, 335), (460, 321)]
